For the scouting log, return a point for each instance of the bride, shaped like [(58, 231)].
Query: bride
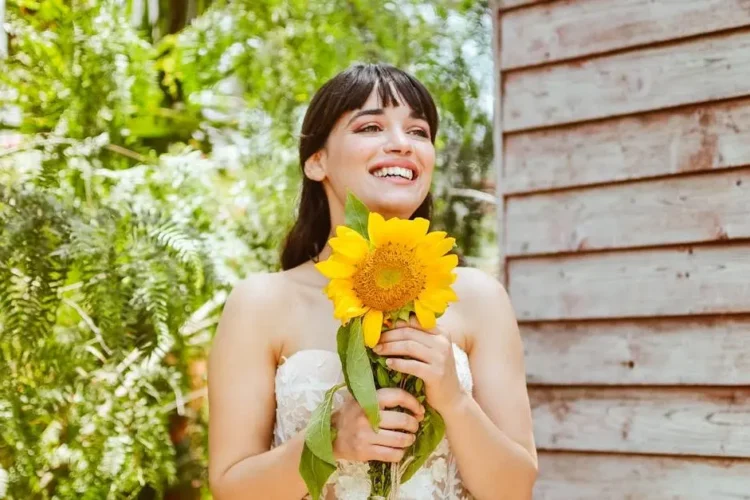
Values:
[(371, 129)]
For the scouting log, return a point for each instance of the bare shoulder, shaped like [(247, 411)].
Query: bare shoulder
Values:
[(478, 290), (484, 304), (250, 312)]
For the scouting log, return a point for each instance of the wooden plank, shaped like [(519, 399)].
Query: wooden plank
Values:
[(696, 208), (708, 422), (577, 476), (691, 351), (573, 28), (660, 282), (498, 156), (716, 67), (698, 138)]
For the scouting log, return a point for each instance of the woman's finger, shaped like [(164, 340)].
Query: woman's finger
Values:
[(397, 421), (409, 366), (406, 348), (393, 397), (407, 333), (386, 454), (393, 439)]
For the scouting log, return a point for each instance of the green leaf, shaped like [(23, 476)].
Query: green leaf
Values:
[(382, 376), (342, 344), (318, 436), (403, 314), (359, 373), (430, 434), (315, 472), (356, 214), (317, 462)]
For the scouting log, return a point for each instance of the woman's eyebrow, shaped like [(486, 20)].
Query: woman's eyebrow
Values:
[(380, 111)]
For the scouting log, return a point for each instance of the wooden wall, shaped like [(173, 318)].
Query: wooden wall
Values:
[(623, 157)]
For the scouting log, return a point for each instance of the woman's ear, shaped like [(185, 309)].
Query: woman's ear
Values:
[(314, 168)]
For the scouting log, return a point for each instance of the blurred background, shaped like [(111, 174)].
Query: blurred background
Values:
[(147, 162)]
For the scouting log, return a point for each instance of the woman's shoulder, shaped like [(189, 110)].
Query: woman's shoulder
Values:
[(477, 286), (255, 306), (483, 302)]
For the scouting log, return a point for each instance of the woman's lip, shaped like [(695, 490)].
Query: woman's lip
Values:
[(395, 180)]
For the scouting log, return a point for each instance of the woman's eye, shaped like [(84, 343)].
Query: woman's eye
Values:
[(370, 128), (421, 132)]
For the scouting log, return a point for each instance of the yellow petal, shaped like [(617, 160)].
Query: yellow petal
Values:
[(425, 317), (348, 307), (338, 286), (434, 237), (433, 305), (352, 249), (444, 264), (437, 299), (353, 312), (440, 280), (343, 301), (372, 326), (401, 232), (436, 250), (333, 269), (376, 228), (347, 232), (419, 227)]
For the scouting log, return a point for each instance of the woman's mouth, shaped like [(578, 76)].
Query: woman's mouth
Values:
[(399, 172), (405, 173)]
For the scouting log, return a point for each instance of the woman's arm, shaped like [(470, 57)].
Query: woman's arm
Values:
[(490, 434), (241, 373)]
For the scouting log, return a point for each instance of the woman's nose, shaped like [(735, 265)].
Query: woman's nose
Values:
[(398, 142)]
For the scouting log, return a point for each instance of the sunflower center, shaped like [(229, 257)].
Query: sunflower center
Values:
[(389, 278)]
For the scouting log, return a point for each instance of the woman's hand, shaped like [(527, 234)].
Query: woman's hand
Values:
[(427, 355), (357, 441)]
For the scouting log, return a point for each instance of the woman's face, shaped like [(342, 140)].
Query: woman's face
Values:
[(385, 156)]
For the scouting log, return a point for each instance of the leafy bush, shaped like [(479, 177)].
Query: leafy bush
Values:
[(147, 176)]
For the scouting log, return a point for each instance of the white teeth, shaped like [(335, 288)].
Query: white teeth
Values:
[(398, 171)]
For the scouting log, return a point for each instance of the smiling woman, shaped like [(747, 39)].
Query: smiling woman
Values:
[(362, 127), (369, 131)]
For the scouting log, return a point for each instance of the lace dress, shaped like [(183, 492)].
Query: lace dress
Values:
[(301, 382)]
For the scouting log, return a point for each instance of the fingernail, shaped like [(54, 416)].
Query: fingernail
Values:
[(389, 361)]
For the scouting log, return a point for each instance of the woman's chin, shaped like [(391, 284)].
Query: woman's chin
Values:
[(394, 207)]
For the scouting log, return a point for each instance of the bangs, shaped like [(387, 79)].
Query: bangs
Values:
[(394, 87)]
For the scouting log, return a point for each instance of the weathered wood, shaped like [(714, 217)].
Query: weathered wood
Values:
[(497, 144), (709, 422), (578, 476), (659, 282), (708, 137), (691, 351), (715, 67), (690, 209), (568, 29)]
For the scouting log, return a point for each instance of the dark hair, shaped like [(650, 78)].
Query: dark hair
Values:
[(345, 92)]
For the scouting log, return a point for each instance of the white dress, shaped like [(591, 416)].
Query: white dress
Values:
[(301, 382)]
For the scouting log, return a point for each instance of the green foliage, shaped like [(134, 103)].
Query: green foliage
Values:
[(156, 166), (317, 462), (356, 215)]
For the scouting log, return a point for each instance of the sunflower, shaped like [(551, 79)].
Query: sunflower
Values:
[(400, 265)]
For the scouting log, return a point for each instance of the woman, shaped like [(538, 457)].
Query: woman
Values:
[(371, 130)]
